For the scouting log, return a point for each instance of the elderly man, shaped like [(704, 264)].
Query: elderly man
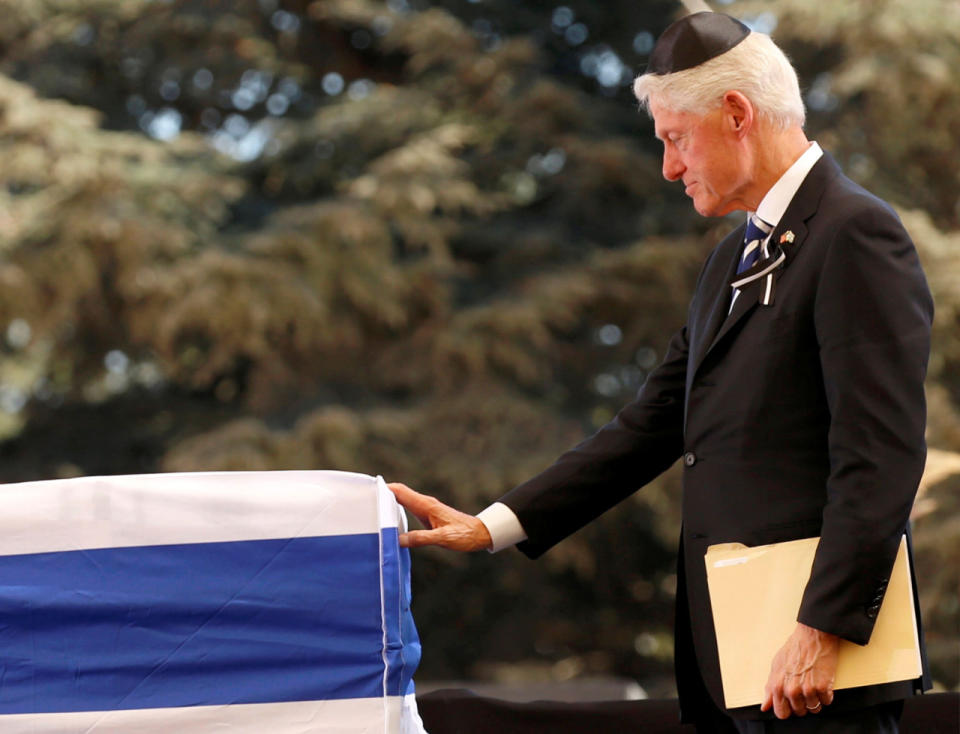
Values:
[(794, 393)]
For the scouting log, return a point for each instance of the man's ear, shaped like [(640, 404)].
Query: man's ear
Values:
[(738, 112)]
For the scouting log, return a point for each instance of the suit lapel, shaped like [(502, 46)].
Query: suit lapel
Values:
[(803, 206), (729, 252)]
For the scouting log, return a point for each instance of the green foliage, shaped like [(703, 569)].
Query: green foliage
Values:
[(444, 265), (91, 220), (881, 81), (937, 546)]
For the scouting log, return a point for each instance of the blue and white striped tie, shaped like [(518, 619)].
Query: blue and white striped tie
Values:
[(757, 231)]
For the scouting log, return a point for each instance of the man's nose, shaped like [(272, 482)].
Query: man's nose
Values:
[(673, 167)]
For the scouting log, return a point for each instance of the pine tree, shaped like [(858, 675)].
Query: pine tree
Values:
[(427, 241)]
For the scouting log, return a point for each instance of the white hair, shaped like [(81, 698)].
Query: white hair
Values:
[(755, 67)]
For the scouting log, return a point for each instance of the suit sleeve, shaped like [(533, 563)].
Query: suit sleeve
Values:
[(643, 440), (873, 314)]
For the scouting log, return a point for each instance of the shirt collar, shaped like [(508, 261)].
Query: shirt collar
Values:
[(778, 198)]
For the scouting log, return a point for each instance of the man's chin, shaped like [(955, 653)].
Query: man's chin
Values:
[(705, 209), (712, 208)]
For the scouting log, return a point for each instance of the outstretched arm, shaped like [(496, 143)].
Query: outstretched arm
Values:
[(445, 526)]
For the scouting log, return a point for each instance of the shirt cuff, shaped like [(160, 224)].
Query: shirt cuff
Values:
[(502, 524)]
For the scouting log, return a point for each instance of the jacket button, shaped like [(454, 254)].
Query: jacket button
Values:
[(689, 458), (872, 611)]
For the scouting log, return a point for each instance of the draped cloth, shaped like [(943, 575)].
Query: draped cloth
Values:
[(236, 602)]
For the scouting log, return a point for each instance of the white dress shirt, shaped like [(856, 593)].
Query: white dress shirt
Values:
[(501, 522)]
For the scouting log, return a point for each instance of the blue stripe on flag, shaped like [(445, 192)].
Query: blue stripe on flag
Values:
[(200, 624), (403, 643)]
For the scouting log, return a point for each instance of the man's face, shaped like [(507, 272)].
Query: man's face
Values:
[(705, 154)]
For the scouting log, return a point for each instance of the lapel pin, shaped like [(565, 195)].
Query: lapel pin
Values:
[(787, 237)]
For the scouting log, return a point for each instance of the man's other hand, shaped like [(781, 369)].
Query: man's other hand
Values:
[(802, 673), (446, 527)]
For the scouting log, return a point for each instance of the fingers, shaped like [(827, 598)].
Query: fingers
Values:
[(408, 498), (796, 695), (796, 702), (776, 697), (810, 700), (825, 691), (783, 704), (767, 699), (815, 697), (802, 674), (776, 700), (467, 535), (445, 526), (420, 538), (419, 504), (826, 695)]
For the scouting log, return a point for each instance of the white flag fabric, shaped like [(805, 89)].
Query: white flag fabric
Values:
[(230, 602)]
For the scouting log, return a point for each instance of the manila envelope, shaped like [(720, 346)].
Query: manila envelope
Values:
[(755, 594)]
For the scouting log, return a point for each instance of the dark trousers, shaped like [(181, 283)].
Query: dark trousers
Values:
[(881, 719)]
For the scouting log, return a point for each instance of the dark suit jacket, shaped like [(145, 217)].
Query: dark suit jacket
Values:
[(802, 418)]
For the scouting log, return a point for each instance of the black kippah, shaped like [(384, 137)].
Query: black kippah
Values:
[(693, 40)]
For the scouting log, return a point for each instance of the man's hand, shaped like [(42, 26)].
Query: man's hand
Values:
[(802, 673), (447, 527)]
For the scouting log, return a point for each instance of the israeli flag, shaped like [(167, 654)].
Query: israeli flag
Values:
[(236, 602)]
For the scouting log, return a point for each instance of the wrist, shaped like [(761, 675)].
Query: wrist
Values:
[(819, 635)]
